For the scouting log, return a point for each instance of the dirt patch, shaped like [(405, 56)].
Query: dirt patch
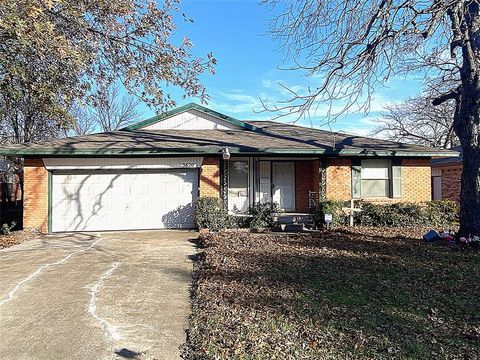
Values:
[(17, 237), (339, 294)]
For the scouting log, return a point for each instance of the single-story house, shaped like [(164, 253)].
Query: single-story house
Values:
[(447, 177), (148, 175)]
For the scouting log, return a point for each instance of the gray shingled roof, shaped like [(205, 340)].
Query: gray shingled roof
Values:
[(268, 138), (446, 161)]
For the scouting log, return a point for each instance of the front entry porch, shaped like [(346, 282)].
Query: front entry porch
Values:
[(288, 182)]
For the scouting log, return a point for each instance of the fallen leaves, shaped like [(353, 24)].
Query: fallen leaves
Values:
[(16, 237), (346, 293)]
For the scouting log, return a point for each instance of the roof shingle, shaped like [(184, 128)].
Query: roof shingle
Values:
[(268, 137)]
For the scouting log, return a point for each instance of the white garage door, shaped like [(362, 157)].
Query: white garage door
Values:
[(123, 200)]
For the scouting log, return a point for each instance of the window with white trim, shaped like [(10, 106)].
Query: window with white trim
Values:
[(376, 178)]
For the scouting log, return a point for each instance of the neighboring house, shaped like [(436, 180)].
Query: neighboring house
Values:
[(446, 178), (148, 175)]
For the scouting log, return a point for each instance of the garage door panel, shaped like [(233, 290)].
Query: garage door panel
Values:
[(123, 201)]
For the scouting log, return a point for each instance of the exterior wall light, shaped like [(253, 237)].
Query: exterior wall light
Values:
[(225, 153)]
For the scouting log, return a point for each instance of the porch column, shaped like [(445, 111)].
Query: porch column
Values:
[(224, 182)]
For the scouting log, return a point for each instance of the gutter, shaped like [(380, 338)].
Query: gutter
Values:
[(217, 150)]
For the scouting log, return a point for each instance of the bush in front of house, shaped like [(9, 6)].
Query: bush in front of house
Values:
[(7, 229), (431, 213), (333, 207), (443, 212), (263, 215), (395, 215), (399, 214), (211, 214)]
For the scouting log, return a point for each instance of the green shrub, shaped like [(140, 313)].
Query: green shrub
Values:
[(442, 213), (238, 221), (330, 207), (6, 229), (263, 215), (433, 213), (396, 214), (211, 214)]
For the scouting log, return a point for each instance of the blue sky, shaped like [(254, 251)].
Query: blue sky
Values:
[(248, 66)]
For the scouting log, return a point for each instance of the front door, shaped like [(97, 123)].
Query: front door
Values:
[(283, 184)]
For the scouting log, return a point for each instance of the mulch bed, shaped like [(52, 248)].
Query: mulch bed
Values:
[(346, 293), (17, 237)]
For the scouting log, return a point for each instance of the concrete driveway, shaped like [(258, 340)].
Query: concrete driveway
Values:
[(96, 296)]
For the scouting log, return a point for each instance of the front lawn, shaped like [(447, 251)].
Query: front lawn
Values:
[(333, 295)]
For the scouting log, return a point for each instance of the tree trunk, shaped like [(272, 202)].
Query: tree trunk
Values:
[(467, 128), (467, 113)]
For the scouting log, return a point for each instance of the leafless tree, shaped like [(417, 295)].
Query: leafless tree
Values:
[(355, 46), (418, 121), (115, 110), (83, 122), (22, 122)]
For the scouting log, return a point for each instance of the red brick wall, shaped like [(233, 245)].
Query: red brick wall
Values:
[(35, 205), (339, 179), (451, 183), (306, 180), (416, 180), (210, 177)]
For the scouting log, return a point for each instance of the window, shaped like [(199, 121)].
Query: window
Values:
[(238, 171), (375, 176), (238, 185)]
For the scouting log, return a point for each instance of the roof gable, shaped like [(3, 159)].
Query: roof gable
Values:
[(217, 132), (191, 117)]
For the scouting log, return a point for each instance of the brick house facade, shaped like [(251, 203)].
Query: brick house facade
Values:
[(35, 205), (339, 179), (148, 175), (446, 179), (210, 177), (452, 183), (416, 184)]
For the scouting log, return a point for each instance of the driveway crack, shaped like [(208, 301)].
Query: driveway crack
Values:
[(37, 272), (110, 331)]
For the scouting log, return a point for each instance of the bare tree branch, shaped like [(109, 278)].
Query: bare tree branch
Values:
[(353, 47), (115, 110), (418, 121)]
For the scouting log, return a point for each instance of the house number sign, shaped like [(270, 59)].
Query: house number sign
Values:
[(328, 218), (189, 164)]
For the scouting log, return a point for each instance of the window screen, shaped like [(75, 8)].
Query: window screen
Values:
[(238, 174), (375, 178)]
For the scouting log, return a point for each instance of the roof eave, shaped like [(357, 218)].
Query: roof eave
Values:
[(216, 150)]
